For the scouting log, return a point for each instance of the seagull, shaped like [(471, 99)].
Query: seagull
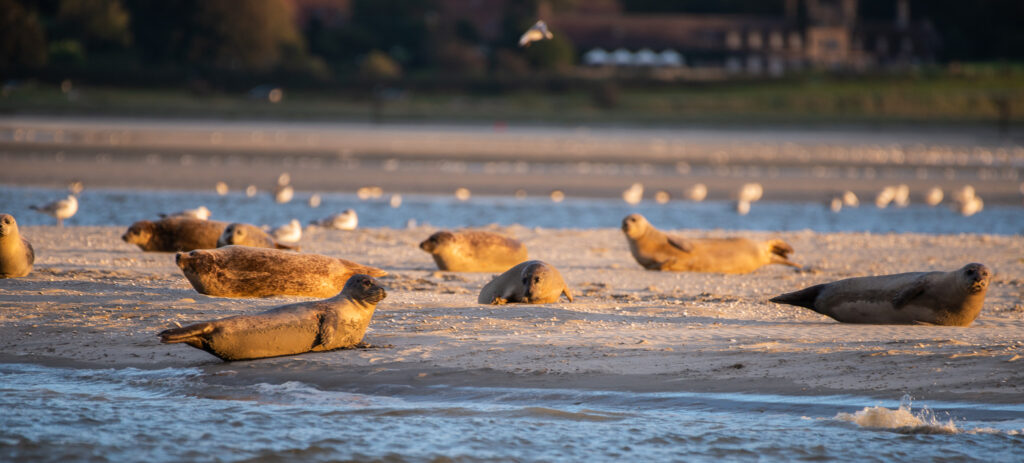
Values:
[(60, 209), (751, 192), (934, 196), (347, 220), (850, 199), (697, 192), (536, 33), (283, 194), (201, 213), (634, 194), (742, 207), (289, 233)]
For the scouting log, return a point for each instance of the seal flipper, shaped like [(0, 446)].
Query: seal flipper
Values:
[(185, 334), (908, 294), (780, 251), (803, 298), (568, 294), (286, 247), (680, 244)]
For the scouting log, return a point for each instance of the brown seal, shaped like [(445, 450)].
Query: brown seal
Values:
[(315, 326), (655, 250), (532, 282), (474, 251), (243, 271), (243, 234), (16, 253), (938, 298), (174, 234)]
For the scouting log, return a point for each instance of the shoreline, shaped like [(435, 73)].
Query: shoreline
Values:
[(797, 164), (94, 300)]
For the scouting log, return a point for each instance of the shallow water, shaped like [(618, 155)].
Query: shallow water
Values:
[(59, 414), (122, 207)]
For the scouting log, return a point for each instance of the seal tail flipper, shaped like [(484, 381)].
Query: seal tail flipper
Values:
[(185, 334), (803, 298), (780, 251), (287, 247), (366, 270), (568, 294)]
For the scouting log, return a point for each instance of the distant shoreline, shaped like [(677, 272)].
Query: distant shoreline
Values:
[(437, 158)]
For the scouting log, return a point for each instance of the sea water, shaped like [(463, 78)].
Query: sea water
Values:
[(187, 414), (123, 207)]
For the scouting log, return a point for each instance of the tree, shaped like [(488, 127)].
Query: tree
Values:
[(249, 35), (98, 24), (22, 40)]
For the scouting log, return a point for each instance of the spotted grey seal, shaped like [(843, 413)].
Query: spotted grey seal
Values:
[(315, 326), (474, 251), (938, 298), (655, 250), (532, 282), (244, 271)]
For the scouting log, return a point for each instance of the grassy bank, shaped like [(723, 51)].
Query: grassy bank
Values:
[(977, 99)]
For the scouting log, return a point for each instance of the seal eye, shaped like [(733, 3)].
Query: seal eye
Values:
[(366, 283)]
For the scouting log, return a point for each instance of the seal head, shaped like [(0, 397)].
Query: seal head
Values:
[(140, 233), (435, 241), (975, 277), (365, 289)]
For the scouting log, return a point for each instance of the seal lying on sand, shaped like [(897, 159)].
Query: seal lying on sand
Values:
[(474, 251), (532, 282), (16, 253), (655, 250), (174, 234), (243, 271), (939, 298), (243, 234), (316, 326)]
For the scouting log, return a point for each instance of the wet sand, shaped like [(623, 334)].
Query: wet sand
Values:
[(94, 301), (794, 164)]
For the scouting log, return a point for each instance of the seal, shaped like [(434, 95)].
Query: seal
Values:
[(316, 326), (174, 234), (16, 253), (243, 234), (936, 298), (474, 251), (532, 282), (243, 271), (655, 250)]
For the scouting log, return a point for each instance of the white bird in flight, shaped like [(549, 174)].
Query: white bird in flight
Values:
[(539, 31)]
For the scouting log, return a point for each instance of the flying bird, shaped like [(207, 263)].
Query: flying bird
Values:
[(536, 33)]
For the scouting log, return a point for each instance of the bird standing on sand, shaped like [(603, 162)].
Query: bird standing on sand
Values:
[(60, 209), (346, 220), (539, 31), (289, 233)]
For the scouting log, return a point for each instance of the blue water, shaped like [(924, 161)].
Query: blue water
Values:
[(173, 415), (122, 207)]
